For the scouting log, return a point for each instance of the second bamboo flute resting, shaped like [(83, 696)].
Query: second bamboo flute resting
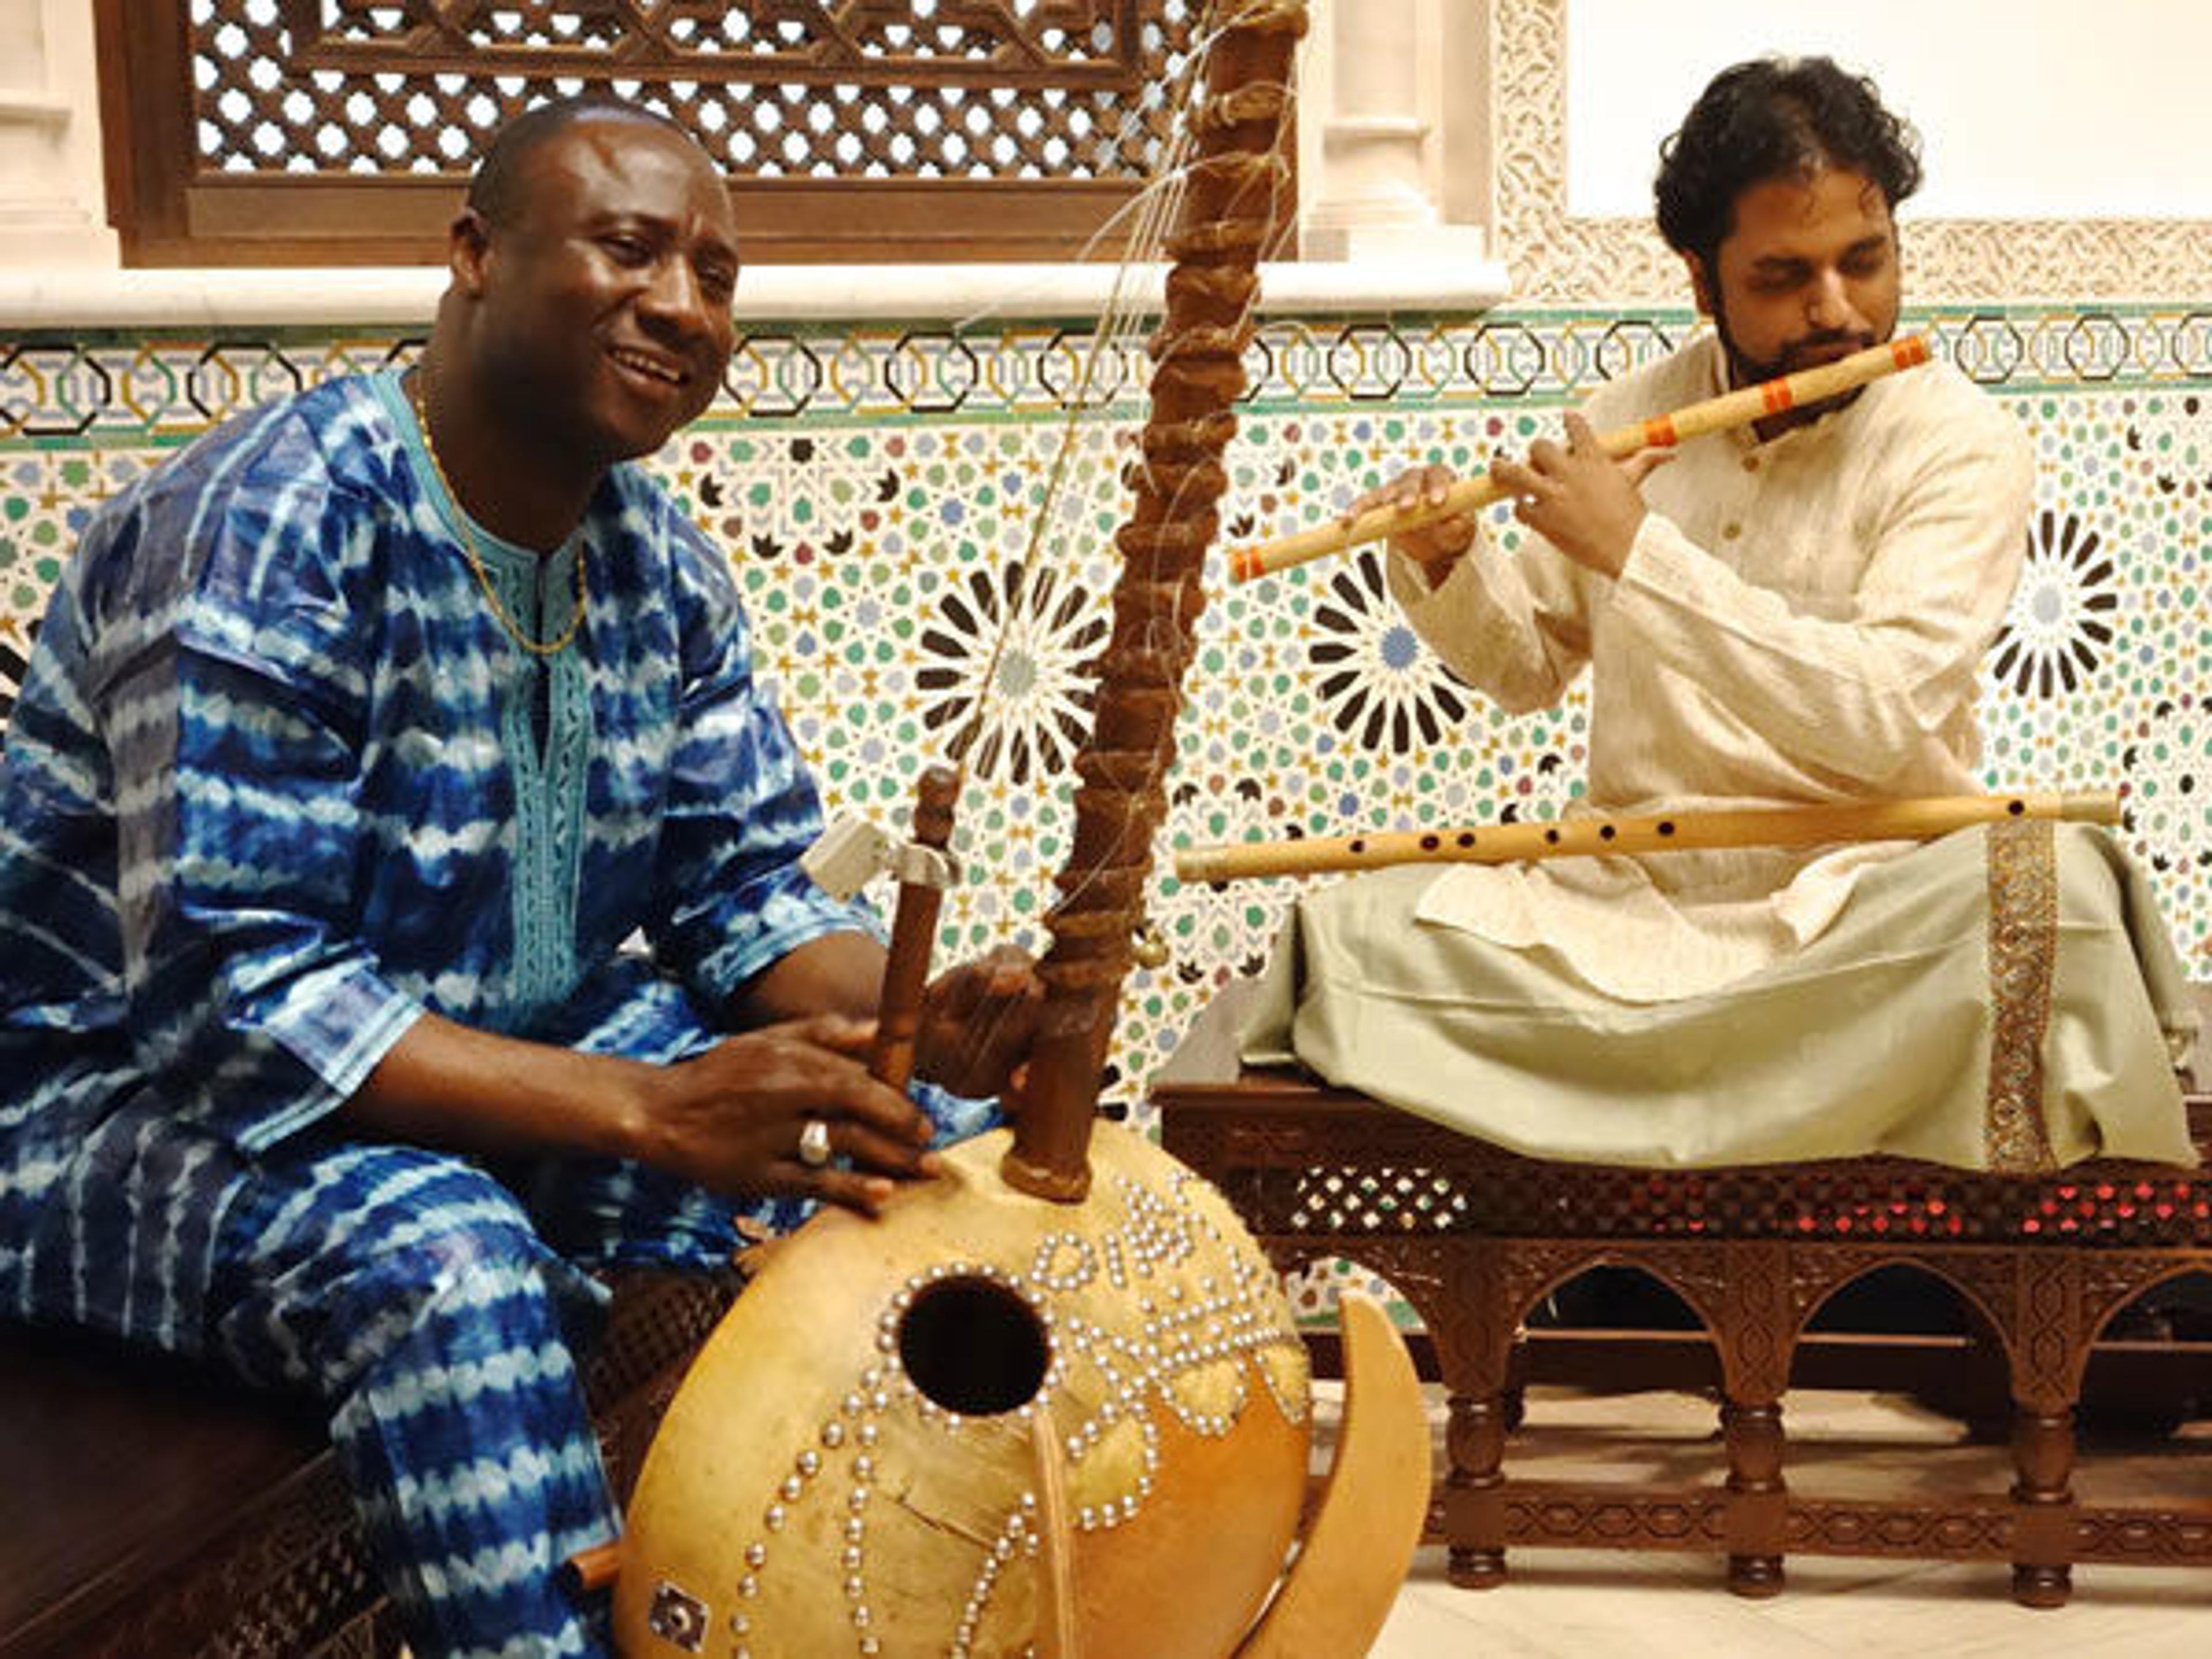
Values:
[(1919, 819), (1733, 409)]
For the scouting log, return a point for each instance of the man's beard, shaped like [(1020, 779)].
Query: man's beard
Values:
[(1808, 352)]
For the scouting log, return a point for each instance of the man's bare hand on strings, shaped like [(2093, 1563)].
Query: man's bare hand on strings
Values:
[(977, 1023)]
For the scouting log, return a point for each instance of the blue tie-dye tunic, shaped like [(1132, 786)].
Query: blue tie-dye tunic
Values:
[(278, 782)]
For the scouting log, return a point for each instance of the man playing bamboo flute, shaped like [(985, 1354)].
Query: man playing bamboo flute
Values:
[(1791, 613)]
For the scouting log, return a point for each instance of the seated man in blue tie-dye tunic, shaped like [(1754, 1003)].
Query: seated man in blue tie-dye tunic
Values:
[(358, 741)]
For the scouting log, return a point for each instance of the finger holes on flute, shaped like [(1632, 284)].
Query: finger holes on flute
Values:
[(1551, 837), (2016, 807), (1466, 838), (1666, 826), (1605, 832), (1429, 843)]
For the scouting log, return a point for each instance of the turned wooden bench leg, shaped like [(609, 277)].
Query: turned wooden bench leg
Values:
[(1756, 1333), (2043, 1501), (1474, 1490), (1758, 1497)]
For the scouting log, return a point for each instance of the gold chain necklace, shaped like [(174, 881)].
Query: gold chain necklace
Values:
[(535, 648)]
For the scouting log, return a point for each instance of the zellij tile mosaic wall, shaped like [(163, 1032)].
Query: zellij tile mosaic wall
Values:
[(878, 491)]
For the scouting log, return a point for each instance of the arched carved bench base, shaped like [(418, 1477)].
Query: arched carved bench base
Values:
[(1473, 1236)]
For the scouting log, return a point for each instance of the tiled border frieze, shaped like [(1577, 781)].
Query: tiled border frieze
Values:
[(102, 385)]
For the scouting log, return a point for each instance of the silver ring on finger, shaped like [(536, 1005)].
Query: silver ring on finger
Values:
[(814, 1144)]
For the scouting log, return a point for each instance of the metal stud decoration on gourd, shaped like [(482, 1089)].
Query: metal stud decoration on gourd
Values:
[(848, 1467)]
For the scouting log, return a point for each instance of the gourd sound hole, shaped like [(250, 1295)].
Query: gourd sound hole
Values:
[(973, 1346)]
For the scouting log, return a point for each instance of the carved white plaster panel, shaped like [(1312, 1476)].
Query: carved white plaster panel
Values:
[(1553, 256)]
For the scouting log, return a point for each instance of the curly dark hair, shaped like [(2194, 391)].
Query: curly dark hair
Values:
[(1775, 117)]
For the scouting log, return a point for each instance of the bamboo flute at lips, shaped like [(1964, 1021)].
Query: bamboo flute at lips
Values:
[(1733, 409)]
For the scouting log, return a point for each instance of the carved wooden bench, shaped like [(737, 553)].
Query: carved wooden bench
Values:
[(155, 1510), (1474, 1237)]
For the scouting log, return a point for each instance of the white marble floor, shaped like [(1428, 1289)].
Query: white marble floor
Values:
[(1569, 1604), (1574, 1604)]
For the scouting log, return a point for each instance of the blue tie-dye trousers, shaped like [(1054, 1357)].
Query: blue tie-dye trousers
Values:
[(433, 1305)]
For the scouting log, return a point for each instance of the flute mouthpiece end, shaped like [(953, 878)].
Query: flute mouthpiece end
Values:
[(1199, 864), (2091, 806)]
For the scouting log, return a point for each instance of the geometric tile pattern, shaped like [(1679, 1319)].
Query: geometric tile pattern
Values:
[(876, 491), (113, 385)]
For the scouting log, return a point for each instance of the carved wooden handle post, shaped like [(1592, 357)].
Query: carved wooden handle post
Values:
[(914, 929), (1233, 186)]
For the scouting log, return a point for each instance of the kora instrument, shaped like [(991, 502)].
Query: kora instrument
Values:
[(1055, 1402)]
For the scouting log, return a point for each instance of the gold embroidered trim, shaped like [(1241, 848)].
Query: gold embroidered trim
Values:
[(2023, 864)]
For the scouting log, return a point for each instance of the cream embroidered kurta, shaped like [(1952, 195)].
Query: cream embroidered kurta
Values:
[(1799, 621)]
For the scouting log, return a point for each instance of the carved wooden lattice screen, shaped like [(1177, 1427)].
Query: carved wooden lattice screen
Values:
[(338, 131)]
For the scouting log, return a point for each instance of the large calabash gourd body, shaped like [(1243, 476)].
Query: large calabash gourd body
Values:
[(849, 1467)]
